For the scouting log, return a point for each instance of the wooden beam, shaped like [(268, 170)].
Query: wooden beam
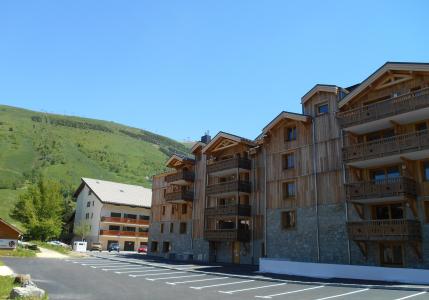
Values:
[(359, 209)]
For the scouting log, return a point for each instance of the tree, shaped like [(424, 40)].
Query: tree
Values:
[(40, 210), (82, 230)]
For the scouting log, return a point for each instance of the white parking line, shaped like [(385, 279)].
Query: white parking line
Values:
[(104, 264), (291, 292), (124, 268), (144, 275), (190, 281), (411, 296), (136, 271), (345, 294), (164, 278), (252, 288), (108, 266), (221, 284)]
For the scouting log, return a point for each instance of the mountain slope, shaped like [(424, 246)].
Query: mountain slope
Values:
[(67, 148)]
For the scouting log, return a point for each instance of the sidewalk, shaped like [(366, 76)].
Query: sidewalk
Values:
[(46, 253)]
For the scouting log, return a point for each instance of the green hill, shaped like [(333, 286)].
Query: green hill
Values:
[(67, 148)]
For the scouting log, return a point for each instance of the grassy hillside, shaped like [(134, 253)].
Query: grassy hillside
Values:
[(67, 148)]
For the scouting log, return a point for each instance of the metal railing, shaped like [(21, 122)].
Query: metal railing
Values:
[(124, 220), (180, 175), (123, 233), (179, 196), (227, 235)]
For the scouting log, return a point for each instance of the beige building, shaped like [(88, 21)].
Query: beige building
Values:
[(115, 212)]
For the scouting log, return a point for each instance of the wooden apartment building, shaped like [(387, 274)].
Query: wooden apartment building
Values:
[(345, 181)]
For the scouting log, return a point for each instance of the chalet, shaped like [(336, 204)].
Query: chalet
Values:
[(9, 235), (344, 182)]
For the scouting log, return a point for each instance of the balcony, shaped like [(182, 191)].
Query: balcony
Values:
[(227, 235), (228, 187), (118, 220), (415, 145), (123, 233), (179, 196), (384, 230), (224, 166), (368, 191), (384, 109), (228, 210), (180, 178)]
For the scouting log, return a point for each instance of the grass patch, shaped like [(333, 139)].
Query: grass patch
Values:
[(18, 252), (6, 286), (1, 263), (56, 248)]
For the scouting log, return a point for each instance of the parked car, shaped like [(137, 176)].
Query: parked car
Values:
[(113, 247), (142, 249), (58, 243), (96, 247)]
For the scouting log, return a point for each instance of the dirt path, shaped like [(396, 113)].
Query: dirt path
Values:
[(46, 253), (5, 271)]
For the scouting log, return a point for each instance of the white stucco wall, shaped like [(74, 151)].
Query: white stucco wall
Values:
[(278, 266)]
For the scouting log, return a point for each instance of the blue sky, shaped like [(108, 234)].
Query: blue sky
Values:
[(179, 68)]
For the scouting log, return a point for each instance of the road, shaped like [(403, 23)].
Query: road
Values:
[(137, 277)]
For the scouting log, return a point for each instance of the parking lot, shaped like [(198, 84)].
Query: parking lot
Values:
[(195, 277), (119, 276)]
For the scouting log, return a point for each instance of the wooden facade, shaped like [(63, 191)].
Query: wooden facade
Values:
[(345, 177)]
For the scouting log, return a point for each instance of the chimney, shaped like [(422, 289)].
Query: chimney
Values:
[(206, 138)]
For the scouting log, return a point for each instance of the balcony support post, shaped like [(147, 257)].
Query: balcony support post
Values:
[(413, 206)]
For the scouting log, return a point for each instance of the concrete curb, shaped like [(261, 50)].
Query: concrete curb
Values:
[(267, 279)]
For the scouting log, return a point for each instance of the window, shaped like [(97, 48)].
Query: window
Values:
[(166, 247), (92, 215), (380, 175), (88, 204), (154, 246), (290, 134), (171, 227), (421, 126), (142, 217), (184, 209), (288, 190), (391, 211), (87, 216), (173, 209), (162, 228), (288, 161), (163, 210), (182, 228), (114, 227), (426, 205), (89, 193), (322, 108), (129, 229), (143, 229), (130, 216), (92, 203), (426, 171), (288, 219), (115, 215), (391, 254)]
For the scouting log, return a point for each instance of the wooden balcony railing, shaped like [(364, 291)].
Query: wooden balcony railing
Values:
[(179, 196), (228, 210), (389, 187), (188, 176), (383, 109), (124, 220), (397, 144), (227, 235), (227, 187), (384, 230), (123, 233), (233, 163)]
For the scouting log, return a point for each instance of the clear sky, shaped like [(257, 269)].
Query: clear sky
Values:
[(179, 68)]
